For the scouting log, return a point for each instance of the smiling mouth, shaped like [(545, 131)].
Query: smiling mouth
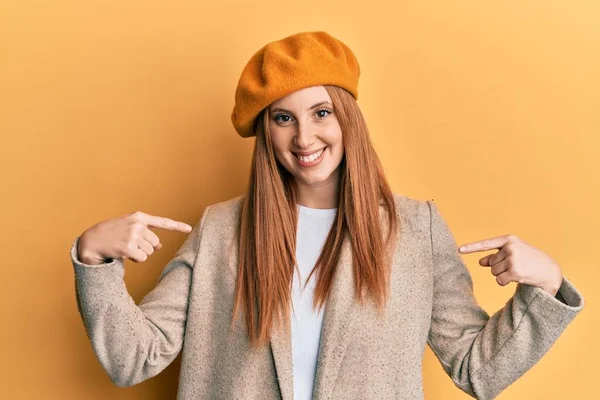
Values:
[(312, 157)]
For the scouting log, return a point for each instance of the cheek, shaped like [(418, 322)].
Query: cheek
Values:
[(337, 148), (279, 143), (282, 157), (285, 158), (338, 154), (336, 139)]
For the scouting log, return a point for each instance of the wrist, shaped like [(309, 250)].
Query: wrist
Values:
[(86, 257), (553, 287)]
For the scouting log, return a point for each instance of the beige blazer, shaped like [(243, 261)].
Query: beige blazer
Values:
[(360, 356)]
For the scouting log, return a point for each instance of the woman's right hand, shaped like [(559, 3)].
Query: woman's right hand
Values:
[(128, 236)]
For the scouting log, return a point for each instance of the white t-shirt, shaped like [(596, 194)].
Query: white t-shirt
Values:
[(313, 227)]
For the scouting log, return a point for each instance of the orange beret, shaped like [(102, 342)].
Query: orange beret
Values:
[(281, 67)]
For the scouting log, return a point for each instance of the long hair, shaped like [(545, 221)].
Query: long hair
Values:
[(268, 218)]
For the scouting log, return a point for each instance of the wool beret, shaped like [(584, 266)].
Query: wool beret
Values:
[(281, 67)]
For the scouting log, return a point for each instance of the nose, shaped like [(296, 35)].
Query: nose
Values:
[(304, 137)]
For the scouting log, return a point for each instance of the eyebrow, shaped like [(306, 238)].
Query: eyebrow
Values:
[(314, 106)]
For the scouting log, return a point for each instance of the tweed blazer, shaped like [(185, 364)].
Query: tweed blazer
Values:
[(361, 356)]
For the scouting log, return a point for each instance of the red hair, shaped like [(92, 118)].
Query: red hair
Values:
[(268, 218)]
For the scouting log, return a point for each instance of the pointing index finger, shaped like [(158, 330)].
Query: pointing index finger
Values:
[(484, 245), (166, 223)]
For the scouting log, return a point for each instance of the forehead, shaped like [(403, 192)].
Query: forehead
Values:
[(303, 98)]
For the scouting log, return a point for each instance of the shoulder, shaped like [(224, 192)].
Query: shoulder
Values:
[(413, 211), (229, 206), (223, 213), (409, 204)]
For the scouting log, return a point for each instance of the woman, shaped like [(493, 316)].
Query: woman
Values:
[(319, 282)]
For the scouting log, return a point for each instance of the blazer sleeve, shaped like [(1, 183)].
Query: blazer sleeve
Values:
[(483, 355), (135, 342)]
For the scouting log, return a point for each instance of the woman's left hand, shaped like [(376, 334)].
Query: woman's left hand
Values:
[(518, 261)]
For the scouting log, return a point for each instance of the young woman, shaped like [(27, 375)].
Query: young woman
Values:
[(319, 282)]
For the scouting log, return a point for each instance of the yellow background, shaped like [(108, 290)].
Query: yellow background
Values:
[(489, 108)]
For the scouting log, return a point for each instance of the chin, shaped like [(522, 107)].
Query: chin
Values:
[(312, 179)]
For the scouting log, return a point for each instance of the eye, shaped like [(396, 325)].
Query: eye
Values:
[(276, 117), (283, 118), (326, 110)]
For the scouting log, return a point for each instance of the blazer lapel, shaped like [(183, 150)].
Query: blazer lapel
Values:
[(339, 324), (282, 355), (341, 318), (336, 332), (280, 341)]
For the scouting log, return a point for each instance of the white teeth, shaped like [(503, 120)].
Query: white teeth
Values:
[(312, 157)]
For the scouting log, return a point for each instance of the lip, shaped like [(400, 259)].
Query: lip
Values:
[(313, 162), (308, 153)]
